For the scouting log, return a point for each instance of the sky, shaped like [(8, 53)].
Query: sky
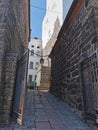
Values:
[(36, 17)]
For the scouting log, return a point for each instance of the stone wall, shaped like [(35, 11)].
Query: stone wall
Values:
[(78, 36), (8, 90), (14, 32), (45, 78)]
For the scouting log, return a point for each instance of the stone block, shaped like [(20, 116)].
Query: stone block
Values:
[(77, 41)]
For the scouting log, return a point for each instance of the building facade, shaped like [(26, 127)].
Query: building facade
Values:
[(14, 33), (74, 69), (53, 20), (56, 9), (35, 50)]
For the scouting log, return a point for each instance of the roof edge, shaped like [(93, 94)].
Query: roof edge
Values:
[(75, 6)]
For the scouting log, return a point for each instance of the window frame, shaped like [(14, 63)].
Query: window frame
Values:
[(30, 78), (31, 65)]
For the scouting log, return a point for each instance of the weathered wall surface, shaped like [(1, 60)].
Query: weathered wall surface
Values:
[(50, 44), (79, 37), (45, 78), (9, 85), (14, 32)]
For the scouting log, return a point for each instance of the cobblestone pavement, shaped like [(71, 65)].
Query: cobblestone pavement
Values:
[(43, 111)]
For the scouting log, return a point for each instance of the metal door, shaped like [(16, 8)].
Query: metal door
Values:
[(89, 75), (20, 88)]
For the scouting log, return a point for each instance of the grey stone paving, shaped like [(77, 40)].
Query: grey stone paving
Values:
[(43, 111)]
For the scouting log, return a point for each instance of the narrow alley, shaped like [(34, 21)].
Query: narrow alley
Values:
[(43, 111)]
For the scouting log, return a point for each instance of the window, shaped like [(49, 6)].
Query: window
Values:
[(30, 78), (31, 65), (32, 52)]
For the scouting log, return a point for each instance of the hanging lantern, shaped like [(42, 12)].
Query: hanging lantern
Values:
[(41, 60)]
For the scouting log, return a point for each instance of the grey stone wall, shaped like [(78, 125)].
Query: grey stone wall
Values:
[(3, 12), (13, 32), (80, 37), (9, 86)]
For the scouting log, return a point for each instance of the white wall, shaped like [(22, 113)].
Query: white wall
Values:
[(36, 43), (55, 8)]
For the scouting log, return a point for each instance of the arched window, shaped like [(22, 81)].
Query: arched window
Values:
[(31, 65), (32, 52)]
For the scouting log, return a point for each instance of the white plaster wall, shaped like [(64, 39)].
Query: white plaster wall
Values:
[(38, 79), (35, 58), (55, 8)]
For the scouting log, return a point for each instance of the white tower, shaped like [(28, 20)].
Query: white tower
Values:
[(56, 9)]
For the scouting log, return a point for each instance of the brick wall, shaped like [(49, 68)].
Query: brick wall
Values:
[(78, 36)]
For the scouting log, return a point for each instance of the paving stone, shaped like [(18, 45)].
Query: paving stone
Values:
[(6, 128), (17, 128), (54, 115), (43, 125), (41, 118), (38, 106)]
